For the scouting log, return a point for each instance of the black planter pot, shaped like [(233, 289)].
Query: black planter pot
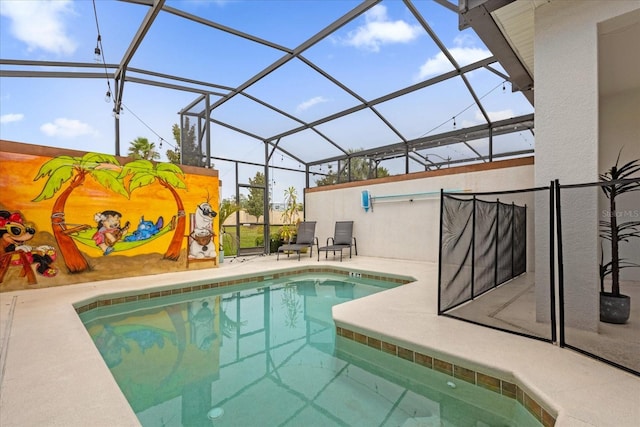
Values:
[(614, 308)]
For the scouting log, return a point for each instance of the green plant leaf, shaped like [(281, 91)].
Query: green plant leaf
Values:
[(92, 160), (171, 178), (110, 179), (141, 180), (137, 166), (57, 177), (54, 164), (169, 167)]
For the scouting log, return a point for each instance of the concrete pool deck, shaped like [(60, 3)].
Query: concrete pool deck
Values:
[(52, 374)]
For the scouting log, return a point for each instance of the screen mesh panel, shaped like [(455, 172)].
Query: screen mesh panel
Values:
[(485, 247), (505, 243), (455, 249), (519, 240), (483, 244)]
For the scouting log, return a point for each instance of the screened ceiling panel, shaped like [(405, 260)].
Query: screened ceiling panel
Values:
[(416, 114), (496, 95), (299, 90), (512, 142), (141, 118), (309, 145), (229, 144), (431, 110), (244, 113), (314, 79), (364, 55), (362, 129), (201, 53), (263, 19)]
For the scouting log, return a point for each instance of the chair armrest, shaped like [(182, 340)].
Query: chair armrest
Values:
[(330, 238)]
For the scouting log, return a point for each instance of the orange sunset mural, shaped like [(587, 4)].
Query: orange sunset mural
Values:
[(80, 216)]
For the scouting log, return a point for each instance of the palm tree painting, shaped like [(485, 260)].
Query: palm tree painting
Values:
[(168, 175), (103, 168), (109, 173)]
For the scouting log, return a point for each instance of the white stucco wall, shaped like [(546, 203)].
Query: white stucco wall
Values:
[(398, 228), (567, 118), (620, 130)]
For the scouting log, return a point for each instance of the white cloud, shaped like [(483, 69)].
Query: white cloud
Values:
[(434, 66), (9, 118), (468, 55), (493, 116), (464, 52), (379, 30), (496, 115), (40, 24), (67, 128), (311, 102)]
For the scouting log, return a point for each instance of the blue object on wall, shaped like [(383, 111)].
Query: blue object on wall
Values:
[(366, 200)]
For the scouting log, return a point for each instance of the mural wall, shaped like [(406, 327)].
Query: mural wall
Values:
[(70, 217)]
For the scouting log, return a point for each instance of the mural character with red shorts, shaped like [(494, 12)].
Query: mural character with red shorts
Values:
[(14, 235)]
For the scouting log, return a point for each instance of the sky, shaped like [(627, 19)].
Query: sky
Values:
[(379, 52)]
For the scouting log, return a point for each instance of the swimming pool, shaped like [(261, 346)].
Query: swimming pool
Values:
[(264, 353)]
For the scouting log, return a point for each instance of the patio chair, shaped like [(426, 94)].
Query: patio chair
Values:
[(305, 238), (342, 239)]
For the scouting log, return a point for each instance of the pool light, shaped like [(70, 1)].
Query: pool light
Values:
[(215, 413)]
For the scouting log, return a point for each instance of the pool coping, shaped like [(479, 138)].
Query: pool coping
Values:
[(511, 388)]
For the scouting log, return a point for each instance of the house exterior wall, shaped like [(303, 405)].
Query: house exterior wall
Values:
[(567, 130), (400, 228), (620, 133)]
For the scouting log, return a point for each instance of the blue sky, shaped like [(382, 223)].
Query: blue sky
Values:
[(379, 52)]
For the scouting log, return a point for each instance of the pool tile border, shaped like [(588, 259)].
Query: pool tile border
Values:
[(118, 298), (491, 383)]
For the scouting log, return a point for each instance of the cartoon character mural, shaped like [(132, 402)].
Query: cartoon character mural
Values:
[(59, 170), (80, 203), (145, 230), (15, 235), (201, 245), (109, 230), (121, 179), (169, 176)]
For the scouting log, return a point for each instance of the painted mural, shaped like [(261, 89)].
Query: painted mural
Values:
[(70, 217)]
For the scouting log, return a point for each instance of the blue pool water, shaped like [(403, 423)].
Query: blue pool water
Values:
[(265, 354)]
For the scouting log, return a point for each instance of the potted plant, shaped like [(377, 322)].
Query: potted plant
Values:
[(227, 208), (275, 241), (614, 306)]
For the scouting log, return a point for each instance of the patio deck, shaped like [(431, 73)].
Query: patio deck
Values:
[(52, 374)]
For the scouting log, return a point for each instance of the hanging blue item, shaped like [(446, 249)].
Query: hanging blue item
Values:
[(366, 200)]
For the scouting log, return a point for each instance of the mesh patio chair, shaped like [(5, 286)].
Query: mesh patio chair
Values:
[(305, 238), (342, 239)]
